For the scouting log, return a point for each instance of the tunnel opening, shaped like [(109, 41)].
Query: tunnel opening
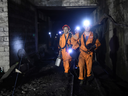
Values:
[(57, 18)]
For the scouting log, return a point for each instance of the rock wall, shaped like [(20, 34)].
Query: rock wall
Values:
[(113, 53)]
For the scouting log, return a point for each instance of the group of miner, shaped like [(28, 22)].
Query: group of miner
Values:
[(83, 46)]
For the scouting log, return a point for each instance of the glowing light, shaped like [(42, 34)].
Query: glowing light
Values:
[(60, 32), (77, 28), (18, 44), (69, 50), (49, 33), (86, 23)]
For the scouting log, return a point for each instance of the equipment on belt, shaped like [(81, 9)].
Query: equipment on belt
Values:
[(69, 49)]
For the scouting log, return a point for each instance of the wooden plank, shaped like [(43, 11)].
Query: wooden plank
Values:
[(9, 71)]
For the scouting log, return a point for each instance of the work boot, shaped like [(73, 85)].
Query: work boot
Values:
[(81, 82), (66, 75), (90, 78)]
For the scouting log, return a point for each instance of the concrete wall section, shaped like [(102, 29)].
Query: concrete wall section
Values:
[(4, 39)]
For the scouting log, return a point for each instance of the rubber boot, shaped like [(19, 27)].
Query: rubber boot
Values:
[(81, 82), (66, 75)]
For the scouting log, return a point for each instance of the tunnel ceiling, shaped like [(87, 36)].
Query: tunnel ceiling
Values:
[(71, 16), (62, 12), (56, 9), (59, 13)]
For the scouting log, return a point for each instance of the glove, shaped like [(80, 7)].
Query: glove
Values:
[(89, 46), (60, 54), (92, 48)]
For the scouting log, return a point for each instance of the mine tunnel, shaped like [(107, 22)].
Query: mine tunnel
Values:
[(30, 60)]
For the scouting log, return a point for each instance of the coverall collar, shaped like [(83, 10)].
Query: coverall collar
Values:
[(89, 34), (66, 36)]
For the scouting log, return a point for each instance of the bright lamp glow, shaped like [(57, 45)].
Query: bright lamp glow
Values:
[(77, 28), (18, 44), (60, 32), (69, 50), (86, 23), (49, 33)]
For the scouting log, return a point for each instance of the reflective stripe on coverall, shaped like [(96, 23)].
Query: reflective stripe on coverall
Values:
[(86, 58)]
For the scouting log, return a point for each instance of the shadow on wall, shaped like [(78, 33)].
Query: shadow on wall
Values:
[(114, 46), (101, 55), (102, 52)]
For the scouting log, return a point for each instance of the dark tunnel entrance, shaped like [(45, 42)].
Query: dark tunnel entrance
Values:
[(57, 17)]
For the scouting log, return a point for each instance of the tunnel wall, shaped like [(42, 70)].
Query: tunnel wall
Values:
[(120, 14), (4, 40), (43, 28), (22, 28), (113, 53)]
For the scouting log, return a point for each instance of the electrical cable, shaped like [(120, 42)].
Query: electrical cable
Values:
[(21, 56), (16, 77)]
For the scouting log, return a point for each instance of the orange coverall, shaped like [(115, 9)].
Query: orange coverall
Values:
[(75, 42), (86, 58), (65, 55)]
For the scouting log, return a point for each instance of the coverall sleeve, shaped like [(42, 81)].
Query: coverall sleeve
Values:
[(75, 43), (97, 43), (74, 40)]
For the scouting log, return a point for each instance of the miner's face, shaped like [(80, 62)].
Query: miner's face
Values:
[(65, 30), (87, 28)]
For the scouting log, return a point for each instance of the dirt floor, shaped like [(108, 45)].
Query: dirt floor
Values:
[(48, 81)]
